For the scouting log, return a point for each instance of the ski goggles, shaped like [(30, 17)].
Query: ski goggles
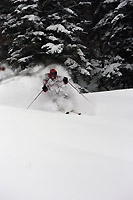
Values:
[(53, 73)]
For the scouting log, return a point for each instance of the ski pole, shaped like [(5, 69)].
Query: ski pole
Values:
[(35, 99), (78, 91)]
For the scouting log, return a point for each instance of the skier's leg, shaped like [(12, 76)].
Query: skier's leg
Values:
[(60, 104), (65, 104)]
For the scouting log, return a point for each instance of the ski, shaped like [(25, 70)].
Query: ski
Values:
[(75, 112), (69, 112)]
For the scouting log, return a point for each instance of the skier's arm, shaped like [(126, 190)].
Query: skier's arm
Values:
[(65, 80), (45, 81)]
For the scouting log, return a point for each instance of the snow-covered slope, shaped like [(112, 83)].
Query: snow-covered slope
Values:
[(45, 154)]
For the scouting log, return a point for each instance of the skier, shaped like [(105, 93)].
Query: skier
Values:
[(56, 87)]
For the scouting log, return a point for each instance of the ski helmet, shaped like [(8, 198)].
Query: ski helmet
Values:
[(53, 73)]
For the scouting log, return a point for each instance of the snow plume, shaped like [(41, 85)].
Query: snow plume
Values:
[(21, 90), (5, 74)]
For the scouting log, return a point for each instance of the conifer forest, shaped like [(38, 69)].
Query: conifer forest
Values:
[(92, 40)]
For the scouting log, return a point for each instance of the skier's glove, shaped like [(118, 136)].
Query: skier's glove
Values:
[(44, 88), (65, 80)]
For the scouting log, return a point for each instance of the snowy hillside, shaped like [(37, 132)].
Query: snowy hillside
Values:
[(45, 154)]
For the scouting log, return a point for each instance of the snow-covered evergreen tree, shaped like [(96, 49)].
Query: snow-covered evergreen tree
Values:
[(25, 28), (5, 11), (64, 37), (113, 39)]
